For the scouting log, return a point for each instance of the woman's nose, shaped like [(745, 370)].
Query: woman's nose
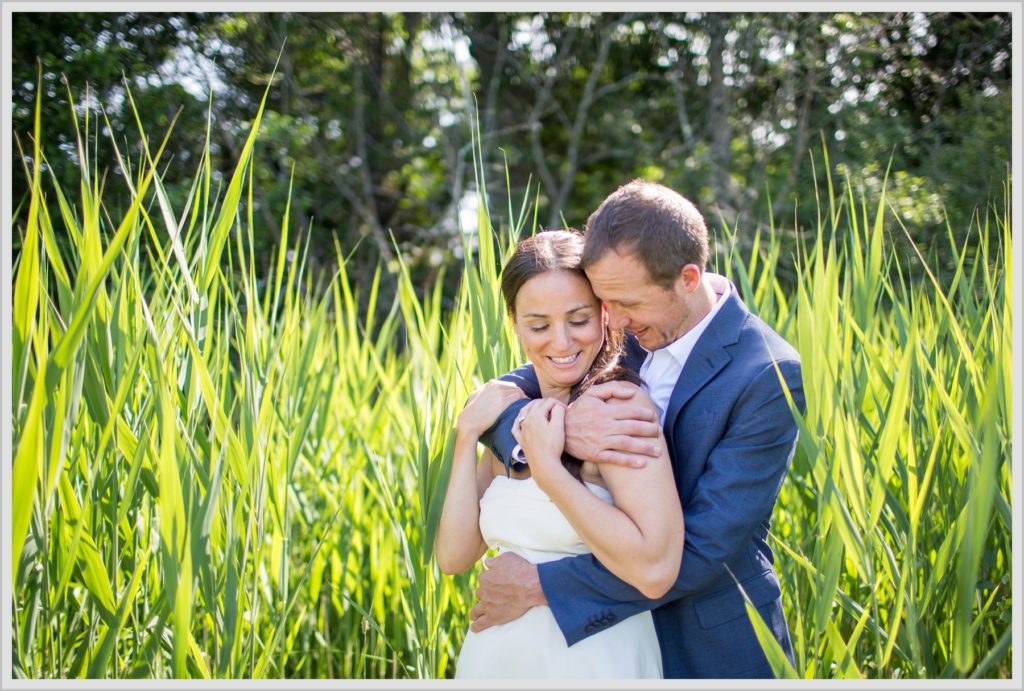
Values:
[(562, 336)]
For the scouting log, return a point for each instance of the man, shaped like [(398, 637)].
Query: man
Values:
[(714, 371)]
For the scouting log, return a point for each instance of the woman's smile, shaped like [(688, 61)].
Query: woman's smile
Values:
[(561, 327), (565, 361)]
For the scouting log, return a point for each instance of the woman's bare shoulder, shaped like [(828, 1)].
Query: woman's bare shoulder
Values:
[(641, 395)]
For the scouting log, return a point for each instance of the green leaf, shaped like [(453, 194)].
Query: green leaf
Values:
[(780, 664)]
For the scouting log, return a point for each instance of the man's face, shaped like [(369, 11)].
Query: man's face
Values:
[(655, 315)]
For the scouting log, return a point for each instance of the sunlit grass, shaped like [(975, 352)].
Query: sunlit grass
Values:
[(225, 471), (893, 530)]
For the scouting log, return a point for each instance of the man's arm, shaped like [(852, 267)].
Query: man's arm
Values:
[(604, 425), (735, 494), (499, 437), (609, 424)]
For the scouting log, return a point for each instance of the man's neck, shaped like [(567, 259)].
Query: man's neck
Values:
[(704, 300)]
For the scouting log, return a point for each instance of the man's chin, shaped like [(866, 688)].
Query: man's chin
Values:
[(644, 338)]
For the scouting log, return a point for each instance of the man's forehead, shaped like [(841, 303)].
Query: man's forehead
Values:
[(626, 288), (617, 269)]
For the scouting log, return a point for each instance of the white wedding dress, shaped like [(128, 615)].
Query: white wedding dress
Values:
[(517, 516)]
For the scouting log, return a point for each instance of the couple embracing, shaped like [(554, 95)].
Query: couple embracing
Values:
[(632, 467)]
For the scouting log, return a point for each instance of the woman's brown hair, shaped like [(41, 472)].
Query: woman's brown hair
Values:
[(555, 250), (562, 250)]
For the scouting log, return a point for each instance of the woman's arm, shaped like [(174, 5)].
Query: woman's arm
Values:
[(498, 438), (640, 537), (459, 544)]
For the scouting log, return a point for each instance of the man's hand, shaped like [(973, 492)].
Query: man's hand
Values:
[(611, 424), (508, 588)]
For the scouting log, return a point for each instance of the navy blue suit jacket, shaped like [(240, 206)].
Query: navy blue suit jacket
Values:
[(731, 436)]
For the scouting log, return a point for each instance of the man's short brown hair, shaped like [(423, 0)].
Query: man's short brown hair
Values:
[(661, 227)]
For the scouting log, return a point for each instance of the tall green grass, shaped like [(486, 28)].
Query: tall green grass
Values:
[(893, 529), (224, 471)]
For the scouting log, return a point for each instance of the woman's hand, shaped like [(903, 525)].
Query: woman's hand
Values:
[(485, 405), (540, 430)]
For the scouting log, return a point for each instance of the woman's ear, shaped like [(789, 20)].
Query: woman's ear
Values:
[(604, 315)]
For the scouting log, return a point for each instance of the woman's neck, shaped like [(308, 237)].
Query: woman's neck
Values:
[(548, 390)]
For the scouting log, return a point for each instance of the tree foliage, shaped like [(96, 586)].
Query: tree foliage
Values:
[(369, 118)]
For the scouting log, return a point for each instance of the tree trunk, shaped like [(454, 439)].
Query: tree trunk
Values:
[(572, 153), (718, 112)]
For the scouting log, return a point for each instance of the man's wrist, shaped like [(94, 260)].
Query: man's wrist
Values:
[(576, 450), (536, 596)]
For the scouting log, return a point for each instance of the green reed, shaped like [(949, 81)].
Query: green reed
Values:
[(893, 529), (226, 471)]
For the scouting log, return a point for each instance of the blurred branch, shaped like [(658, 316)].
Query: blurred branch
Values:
[(369, 204), (572, 152)]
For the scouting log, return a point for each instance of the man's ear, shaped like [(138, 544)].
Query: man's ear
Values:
[(689, 278)]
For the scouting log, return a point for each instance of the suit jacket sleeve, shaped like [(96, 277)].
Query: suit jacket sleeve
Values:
[(735, 494), (499, 437)]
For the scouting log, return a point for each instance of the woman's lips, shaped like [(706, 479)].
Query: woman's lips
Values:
[(565, 361)]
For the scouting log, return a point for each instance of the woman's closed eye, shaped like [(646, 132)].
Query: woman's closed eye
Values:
[(538, 328)]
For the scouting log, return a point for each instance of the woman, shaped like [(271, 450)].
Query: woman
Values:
[(558, 508)]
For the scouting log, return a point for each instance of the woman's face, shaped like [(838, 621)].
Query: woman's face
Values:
[(560, 325)]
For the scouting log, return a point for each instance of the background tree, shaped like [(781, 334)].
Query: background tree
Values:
[(372, 113), (92, 57)]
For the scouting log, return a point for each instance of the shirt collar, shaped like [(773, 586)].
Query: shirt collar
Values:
[(680, 348)]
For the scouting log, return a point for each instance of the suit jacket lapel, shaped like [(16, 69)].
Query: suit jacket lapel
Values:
[(708, 357), (633, 355)]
